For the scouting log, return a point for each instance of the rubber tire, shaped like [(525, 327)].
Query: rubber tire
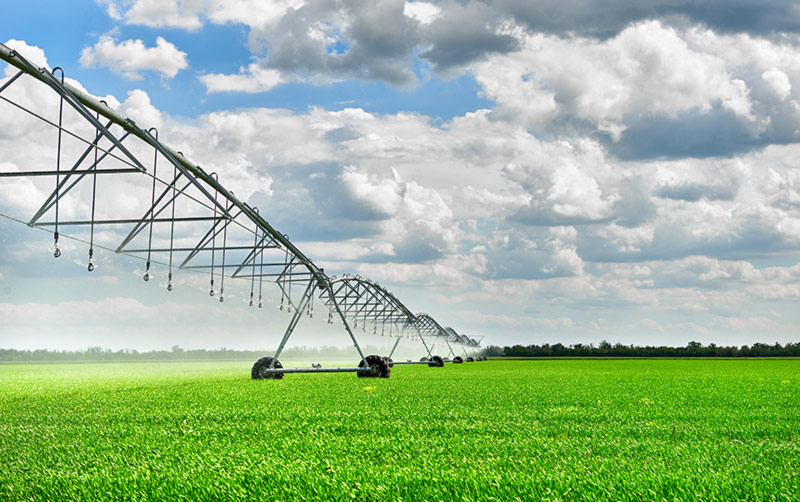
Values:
[(390, 362), (470, 359), (264, 362), (436, 362), (458, 360), (374, 361)]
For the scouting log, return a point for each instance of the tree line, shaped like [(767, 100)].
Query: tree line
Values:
[(177, 353), (325, 352), (606, 349)]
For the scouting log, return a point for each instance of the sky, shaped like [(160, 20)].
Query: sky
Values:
[(528, 172)]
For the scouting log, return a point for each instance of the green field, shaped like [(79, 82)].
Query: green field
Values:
[(545, 429)]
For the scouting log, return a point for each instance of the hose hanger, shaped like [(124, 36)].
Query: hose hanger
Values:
[(255, 250), (172, 224), (214, 235), (94, 193), (57, 252), (152, 210), (283, 278), (261, 273), (222, 270)]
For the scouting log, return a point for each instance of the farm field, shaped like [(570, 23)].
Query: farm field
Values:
[(543, 429)]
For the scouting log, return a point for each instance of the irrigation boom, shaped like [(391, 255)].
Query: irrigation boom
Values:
[(236, 241)]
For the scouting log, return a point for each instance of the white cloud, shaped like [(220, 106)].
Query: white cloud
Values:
[(647, 68), (184, 14), (779, 82), (30, 52), (425, 13), (130, 57), (139, 108), (253, 13), (384, 196), (252, 80), (111, 9)]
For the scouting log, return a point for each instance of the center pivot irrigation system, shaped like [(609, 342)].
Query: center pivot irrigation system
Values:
[(116, 187)]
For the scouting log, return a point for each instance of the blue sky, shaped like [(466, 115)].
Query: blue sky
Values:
[(533, 172), (220, 48)]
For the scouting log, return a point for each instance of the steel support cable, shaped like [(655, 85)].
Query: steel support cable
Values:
[(48, 79), (97, 246), (83, 241), (106, 153), (150, 217), (77, 103), (70, 133), (57, 251), (50, 202), (134, 163), (94, 146)]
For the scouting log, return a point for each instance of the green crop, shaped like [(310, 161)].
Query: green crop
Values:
[(528, 430)]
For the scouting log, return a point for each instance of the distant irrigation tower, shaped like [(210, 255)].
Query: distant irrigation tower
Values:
[(191, 221)]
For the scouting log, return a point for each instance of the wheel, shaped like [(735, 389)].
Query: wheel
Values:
[(423, 359), (436, 362), (470, 359), (389, 361), (458, 360), (378, 364), (258, 373)]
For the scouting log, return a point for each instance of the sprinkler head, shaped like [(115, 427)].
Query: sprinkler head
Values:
[(146, 277), (221, 299), (90, 267), (57, 253), (169, 287), (211, 293)]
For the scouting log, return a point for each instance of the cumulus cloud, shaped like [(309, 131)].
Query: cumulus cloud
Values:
[(323, 41), (778, 82), (31, 52), (647, 69), (533, 211), (130, 57), (652, 90), (252, 80), (464, 33), (425, 13), (183, 14)]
